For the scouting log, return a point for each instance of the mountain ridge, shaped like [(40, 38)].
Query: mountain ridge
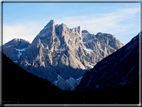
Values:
[(62, 55)]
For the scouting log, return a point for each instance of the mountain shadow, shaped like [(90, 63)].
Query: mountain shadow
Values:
[(21, 87)]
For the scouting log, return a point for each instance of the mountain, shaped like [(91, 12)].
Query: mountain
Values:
[(62, 55), (118, 69)]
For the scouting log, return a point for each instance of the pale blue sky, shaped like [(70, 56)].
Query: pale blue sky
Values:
[(26, 20)]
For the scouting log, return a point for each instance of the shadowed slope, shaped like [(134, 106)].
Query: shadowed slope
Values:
[(118, 69)]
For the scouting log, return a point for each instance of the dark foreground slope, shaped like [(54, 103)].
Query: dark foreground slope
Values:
[(21, 87)]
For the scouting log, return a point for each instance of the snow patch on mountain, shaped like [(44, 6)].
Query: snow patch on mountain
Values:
[(19, 54), (71, 81), (21, 49), (58, 78), (15, 61), (88, 49), (91, 66), (78, 80)]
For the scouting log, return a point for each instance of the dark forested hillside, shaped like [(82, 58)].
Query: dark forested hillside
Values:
[(19, 86)]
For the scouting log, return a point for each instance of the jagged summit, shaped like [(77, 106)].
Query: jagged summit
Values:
[(101, 35), (109, 39), (16, 42), (63, 24), (51, 23), (17, 39), (85, 31)]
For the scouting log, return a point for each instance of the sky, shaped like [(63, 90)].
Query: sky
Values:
[(26, 20)]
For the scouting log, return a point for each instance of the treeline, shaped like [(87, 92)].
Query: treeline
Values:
[(19, 86)]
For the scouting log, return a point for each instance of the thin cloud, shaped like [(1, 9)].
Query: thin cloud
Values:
[(25, 31), (113, 22), (107, 23), (103, 21)]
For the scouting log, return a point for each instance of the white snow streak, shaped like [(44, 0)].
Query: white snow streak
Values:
[(55, 82), (88, 49), (15, 61), (91, 66), (78, 80), (19, 54), (21, 49)]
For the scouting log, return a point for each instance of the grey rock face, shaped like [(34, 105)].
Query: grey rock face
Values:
[(120, 68), (14, 48), (109, 40), (62, 55)]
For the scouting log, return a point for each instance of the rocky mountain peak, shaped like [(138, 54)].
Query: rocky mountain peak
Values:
[(51, 23), (17, 43), (104, 35), (17, 39), (62, 55), (109, 39), (99, 33), (85, 31), (63, 24), (78, 30)]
